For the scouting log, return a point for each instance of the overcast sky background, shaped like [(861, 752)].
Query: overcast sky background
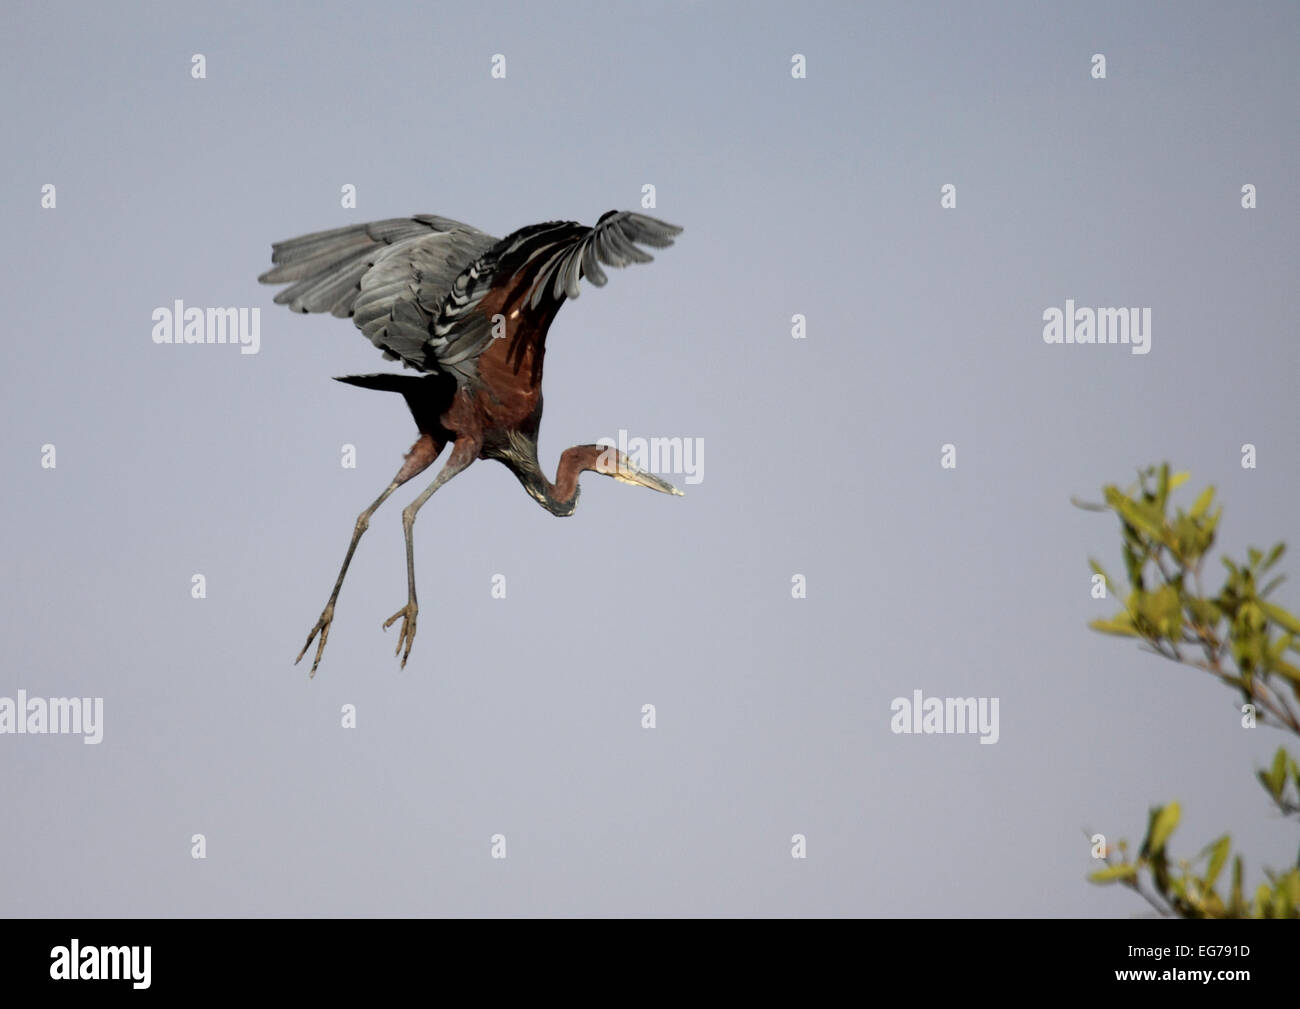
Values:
[(522, 716)]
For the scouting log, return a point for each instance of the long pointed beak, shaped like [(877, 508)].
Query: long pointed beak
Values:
[(628, 473)]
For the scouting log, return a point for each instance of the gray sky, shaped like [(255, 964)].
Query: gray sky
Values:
[(522, 716)]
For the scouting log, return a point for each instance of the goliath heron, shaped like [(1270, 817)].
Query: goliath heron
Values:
[(470, 312)]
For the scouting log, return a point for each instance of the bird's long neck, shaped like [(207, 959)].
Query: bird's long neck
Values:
[(560, 497)]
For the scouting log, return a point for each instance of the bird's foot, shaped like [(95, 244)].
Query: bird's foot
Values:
[(407, 613), (323, 629)]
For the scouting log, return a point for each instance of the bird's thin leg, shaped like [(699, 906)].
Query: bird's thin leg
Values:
[(465, 452), (422, 454)]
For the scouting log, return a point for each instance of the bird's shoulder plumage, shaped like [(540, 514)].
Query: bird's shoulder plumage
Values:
[(530, 272)]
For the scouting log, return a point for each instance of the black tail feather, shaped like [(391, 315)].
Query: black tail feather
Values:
[(385, 382), (428, 396)]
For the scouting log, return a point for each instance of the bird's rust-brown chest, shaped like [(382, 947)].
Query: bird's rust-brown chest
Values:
[(510, 367)]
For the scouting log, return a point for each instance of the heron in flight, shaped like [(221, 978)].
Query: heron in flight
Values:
[(470, 313)]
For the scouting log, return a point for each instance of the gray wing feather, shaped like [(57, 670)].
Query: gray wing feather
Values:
[(400, 296), (612, 242), (390, 276)]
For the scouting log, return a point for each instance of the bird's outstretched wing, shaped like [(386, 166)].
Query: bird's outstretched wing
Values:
[(550, 259), (533, 270), (390, 276)]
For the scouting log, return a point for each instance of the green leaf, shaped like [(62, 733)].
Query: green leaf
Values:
[(1281, 617), (1131, 566), (1212, 523), (1280, 644), (1097, 569), (1160, 870), (1122, 625), (1276, 777), (1287, 670), (1218, 858), (1163, 486), (1141, 516), (1166, 819), (1287, 896), (1236, 900), (1203, 611), (1273, 556), (1166, 611), (1203, 502), (1113, 873)]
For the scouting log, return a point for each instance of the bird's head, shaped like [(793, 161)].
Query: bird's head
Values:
[(609, 461), (561, 497)]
